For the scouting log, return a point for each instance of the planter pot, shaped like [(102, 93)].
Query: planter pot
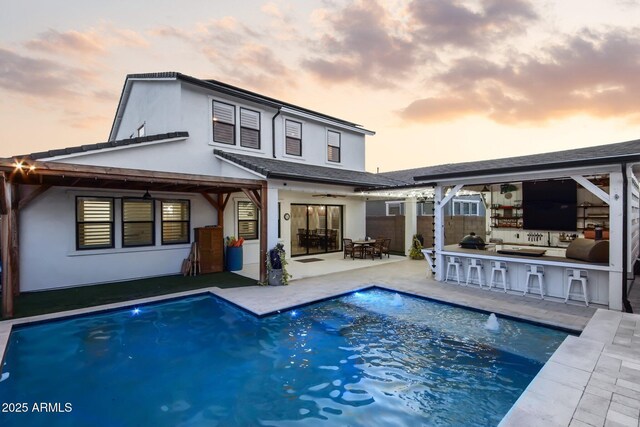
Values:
[(234, 258), (275, 278)]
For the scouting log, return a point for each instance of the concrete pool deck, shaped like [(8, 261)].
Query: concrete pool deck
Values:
[(592, 380)]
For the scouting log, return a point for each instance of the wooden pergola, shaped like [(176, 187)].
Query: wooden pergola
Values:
[(16, 175)]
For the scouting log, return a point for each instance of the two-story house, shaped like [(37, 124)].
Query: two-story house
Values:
[(171, 123)]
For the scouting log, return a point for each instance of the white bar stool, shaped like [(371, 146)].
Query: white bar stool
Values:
[(582, 276), (498, 271), (535, 271), (453, 266), (475, 265)]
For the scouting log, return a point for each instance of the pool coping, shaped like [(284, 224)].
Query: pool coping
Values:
[(590, 380), (514, 414)]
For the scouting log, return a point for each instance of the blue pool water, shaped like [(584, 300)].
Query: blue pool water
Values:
[(373, 358)]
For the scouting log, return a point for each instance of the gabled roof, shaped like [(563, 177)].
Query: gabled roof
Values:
[(227, 89), (275, 168), (590, 156), (102, 145)]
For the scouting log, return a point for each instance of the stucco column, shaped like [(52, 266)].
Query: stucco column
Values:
[(410, 222), (615, 241), (272, 212)]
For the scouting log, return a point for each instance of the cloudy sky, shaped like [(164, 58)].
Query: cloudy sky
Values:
[(440, 81)]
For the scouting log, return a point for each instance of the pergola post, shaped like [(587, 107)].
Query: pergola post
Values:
[(5, 246), (616, 218), (438, 233), (264, 208), (14, 215)]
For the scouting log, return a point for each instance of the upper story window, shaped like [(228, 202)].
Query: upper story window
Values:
[(466, 207), (333, 146), (94, 222), (138, 226), (141, 131), (293, 138), (224, 123), (175, 222), (249, 128)]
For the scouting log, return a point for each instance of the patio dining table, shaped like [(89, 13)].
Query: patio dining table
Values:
[(363, 244)]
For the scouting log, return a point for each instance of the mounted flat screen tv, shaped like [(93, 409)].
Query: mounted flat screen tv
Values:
[(550, 205)]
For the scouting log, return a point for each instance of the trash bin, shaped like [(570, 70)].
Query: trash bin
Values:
[(234, 258)]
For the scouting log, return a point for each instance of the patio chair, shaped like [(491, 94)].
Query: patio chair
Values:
[(374, 250), (349, 248), (386, 244)]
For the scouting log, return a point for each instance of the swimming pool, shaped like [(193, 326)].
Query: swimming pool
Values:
[(372, 358)]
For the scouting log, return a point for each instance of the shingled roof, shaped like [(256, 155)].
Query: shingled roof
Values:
[(275, 168), (590, 156), (102, 145)]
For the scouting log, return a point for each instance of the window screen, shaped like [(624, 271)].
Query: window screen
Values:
[(137, 222), (249, 128), (94, 223), (333, 146), (293, 138), (247, 220), (175, 222), (224, 123)]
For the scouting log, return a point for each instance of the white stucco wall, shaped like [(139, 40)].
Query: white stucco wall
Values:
[(156, 104), (49, 259)]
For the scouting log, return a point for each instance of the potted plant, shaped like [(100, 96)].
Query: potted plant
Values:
[(416, 248), (234, 253), (277, 266)]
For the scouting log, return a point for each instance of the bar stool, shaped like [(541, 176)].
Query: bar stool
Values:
[(535, 271), (453, 265), (475, 265), (498, 271), (582, 276)]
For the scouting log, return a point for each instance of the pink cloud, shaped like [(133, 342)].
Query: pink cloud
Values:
[(590, 73)]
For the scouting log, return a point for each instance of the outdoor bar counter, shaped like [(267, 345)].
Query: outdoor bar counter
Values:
[(555, 270)]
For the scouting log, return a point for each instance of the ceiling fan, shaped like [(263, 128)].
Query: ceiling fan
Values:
[(328, 195)]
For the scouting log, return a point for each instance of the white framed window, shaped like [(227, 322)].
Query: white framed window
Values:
[(293, 138), (224, 123), (394, 208), (333, 146), (141, 131), (94, 223), (466, 207), (249, 128), (247, 220)]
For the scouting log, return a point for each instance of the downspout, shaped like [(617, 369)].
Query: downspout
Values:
[(273, 132), (625, 240)]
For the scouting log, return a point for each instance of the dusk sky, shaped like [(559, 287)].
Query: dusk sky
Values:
[(440, 81)]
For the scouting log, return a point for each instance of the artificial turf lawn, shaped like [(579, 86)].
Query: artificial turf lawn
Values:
[(34, 303)]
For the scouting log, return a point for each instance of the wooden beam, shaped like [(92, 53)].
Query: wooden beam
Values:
[(24, 201), (5, 251), (452, 194), (221, 203), (226, 199), (212, 202), (4, 208), (263, 233), (253, 198), (592, 188), (120, 174)]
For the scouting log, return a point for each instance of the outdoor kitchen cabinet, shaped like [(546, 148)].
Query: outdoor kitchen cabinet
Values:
[(210, 246)]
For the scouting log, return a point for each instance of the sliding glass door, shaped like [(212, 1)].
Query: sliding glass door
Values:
[(315, 229)]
